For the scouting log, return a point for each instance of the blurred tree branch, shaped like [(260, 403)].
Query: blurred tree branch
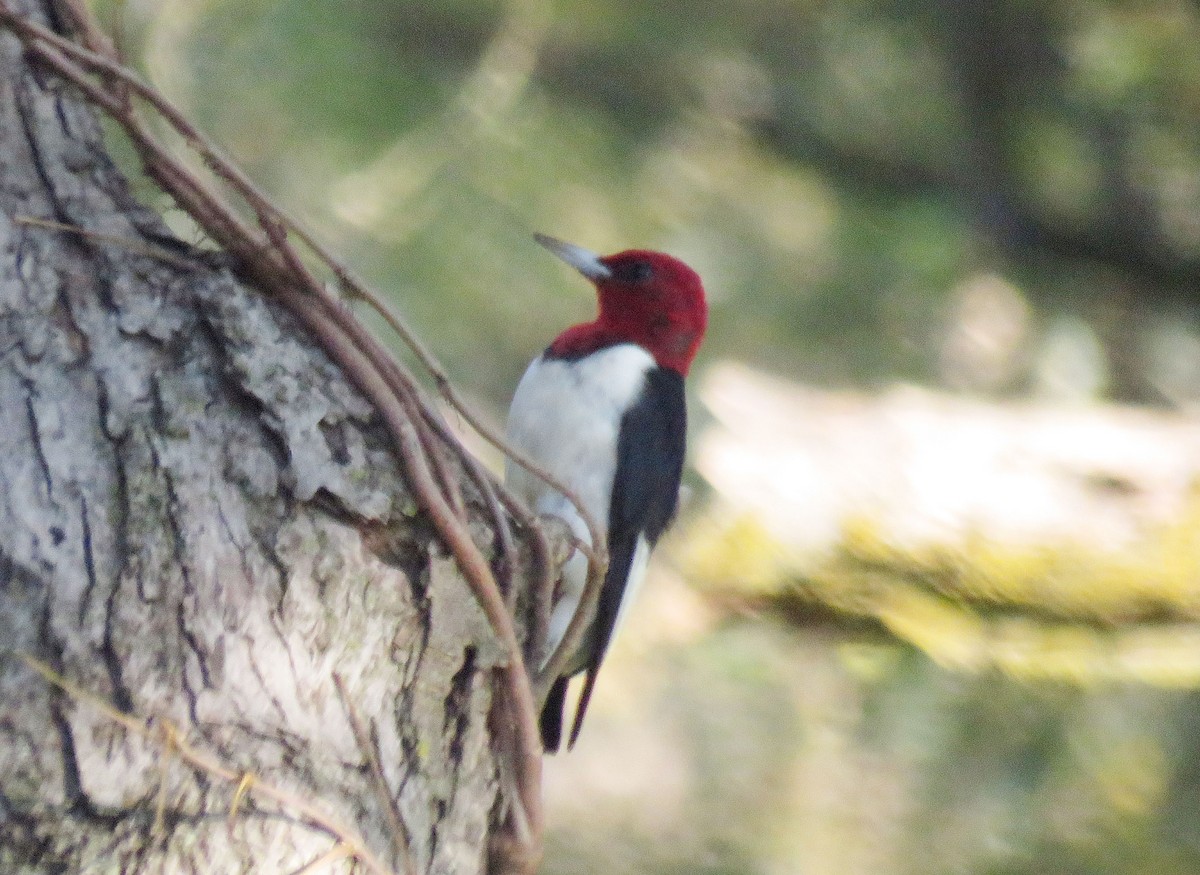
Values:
[(1006, 59)]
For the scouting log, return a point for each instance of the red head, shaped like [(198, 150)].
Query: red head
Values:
[(646, 298)]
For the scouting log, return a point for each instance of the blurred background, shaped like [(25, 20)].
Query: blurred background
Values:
[(933, 605)]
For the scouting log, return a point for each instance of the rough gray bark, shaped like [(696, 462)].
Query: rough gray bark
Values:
[(201, 522)]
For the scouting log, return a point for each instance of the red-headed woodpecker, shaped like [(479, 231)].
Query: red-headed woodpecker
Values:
[(602, 409)]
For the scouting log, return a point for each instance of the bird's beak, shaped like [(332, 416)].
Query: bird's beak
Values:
[(583, 260)]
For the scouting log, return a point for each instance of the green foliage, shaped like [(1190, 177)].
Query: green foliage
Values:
[(1030, 708), (836, 172)]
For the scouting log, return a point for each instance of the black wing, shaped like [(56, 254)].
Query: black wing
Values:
[(650, 451)]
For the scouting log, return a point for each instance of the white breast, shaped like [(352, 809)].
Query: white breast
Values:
[(566, 416)]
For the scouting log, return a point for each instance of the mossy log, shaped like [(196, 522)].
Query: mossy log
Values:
[(1045, 541)]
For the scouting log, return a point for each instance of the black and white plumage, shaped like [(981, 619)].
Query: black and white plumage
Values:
[(603, 410)]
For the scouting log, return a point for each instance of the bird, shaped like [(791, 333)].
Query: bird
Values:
[(602, 409)]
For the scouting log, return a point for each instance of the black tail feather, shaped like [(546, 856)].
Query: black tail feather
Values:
[(581, 706), (551, 722)]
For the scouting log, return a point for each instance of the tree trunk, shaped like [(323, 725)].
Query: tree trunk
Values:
[(202, 523)]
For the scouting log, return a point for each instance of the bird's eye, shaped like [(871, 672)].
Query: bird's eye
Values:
[(634, 272)]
